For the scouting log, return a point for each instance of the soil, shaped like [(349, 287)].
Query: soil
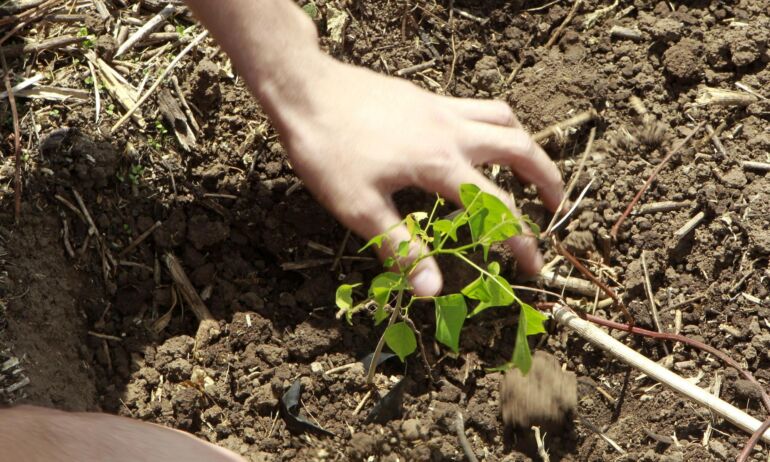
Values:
[(261, 251)]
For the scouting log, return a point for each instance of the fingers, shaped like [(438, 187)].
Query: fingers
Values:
[(486, 111), (377, 217), (486, 143), (524, 247)]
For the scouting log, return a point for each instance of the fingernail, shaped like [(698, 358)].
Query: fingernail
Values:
[(426, 281)]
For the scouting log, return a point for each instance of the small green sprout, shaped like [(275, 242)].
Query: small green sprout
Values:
[(488, 221)]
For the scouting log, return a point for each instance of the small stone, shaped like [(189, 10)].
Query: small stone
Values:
[(411, 429), (746, 390), (718, 449), (316, 368)]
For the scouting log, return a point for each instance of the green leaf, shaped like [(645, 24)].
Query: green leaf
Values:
[(312, 10), (534, 319), (376, 240), (532, 225), (389, 262), (442, 228), (450, 316), (400, 338), (494, 268), (530, 323), (380, 315), (490, 292), (383, 285), (489, 219), (344, 296), (403, 248)]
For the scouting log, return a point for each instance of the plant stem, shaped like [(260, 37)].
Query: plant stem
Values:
[(381, 343)]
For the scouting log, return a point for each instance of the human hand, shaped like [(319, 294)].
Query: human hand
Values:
[(34, 434), (355, 137)]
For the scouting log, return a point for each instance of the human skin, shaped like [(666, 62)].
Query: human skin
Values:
[(354, 137)]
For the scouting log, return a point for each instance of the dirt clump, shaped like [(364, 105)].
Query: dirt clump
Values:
[(544, 397)]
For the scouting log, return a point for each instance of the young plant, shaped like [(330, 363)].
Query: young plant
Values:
[(488, 221)]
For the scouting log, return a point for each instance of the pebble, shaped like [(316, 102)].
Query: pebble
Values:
[(411, 429), (316, 368), (718, 449)]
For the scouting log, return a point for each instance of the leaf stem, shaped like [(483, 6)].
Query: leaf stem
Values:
[(381, 342)]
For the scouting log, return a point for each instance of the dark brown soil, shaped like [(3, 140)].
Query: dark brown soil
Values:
[(261, 251)]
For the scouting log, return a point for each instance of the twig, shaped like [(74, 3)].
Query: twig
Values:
[(13, 51), (585, 272), (416, 68), (97, 97), (573, 181), (691, 224), (381, 342), (146, 29), (188, 112), (715, 389), (589, 425), (72, 207), (557, 33), (139, 239), (758, 166), (104, 336), (651, 298), (23, 84), (574, 206), (362, 402), (606, 342), (556, 281), (658, 168), (746, 452), (16, 142), (66, 237), (208, 323), (341, 251), (625, 33), (540, 446), (460, 429), (159, 80), (93, 230), (187, 290), (665, 206), (574, 121)]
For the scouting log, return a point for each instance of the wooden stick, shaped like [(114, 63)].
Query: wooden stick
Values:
[(13, 51), (159, 80), (651, 299), (189, 293), (146, 29), (574, 121), (460, 429), (691, 224), (658, 168), (601, 339), (758, 166), (139, 239), (557, 33)]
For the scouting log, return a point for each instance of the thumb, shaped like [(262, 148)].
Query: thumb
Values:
[(380, 218)]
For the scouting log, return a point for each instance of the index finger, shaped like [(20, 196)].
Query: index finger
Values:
[(487, 143)]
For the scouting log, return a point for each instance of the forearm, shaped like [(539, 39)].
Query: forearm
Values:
[(273, 44)]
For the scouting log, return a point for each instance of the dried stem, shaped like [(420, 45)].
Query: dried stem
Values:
[(746, 452), (585, 272)]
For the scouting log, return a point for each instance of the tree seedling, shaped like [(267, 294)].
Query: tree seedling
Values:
[(488, 221)]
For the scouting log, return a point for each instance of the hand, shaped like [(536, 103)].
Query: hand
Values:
[(35, 434), (358, 137)]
